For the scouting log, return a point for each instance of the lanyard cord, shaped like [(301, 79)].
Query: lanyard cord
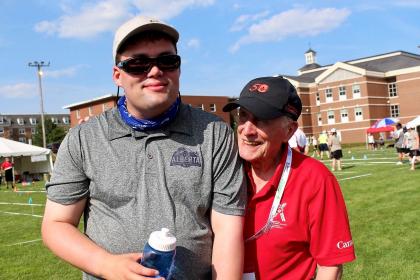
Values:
[(277, 197)]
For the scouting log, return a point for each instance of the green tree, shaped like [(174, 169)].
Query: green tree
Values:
[(53, 133)]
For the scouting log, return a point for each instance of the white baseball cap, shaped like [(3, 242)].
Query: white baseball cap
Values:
[(333, 130), (140, 24)]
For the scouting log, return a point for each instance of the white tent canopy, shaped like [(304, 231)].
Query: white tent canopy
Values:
[(413, 123), (26, 158)]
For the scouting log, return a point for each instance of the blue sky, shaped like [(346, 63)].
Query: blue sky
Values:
[(223, 43)]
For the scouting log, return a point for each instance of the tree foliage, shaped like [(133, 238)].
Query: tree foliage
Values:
[(53, 133)]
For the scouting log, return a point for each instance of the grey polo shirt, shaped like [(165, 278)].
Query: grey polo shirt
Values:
[(138, 182)]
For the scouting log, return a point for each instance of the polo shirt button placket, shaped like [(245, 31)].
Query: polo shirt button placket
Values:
[(149, 156)]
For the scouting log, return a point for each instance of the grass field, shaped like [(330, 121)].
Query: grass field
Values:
[(383, 201)]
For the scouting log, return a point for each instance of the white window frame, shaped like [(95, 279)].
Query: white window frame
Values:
[(212, 107), (90, 110), (342, 93), (33, 121), (392, 89), (201, 106), (22, 139), (357, 91), (319, 119), (20, 121), (1, 130), (394, 111), (317, 98), (358, 113), (344, 114), (54, 120), (77, 114), (21, 131), (105, 107), (66, 120), (329, 95), (33, 130), (330, 117), (1, 120)]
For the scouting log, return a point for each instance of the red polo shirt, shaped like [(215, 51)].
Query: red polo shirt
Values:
[(311, 225)]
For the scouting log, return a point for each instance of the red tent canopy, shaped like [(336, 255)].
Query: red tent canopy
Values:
[(380, 129)]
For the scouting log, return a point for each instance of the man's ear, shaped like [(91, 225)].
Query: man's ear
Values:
[(116, 76), (293, 125)]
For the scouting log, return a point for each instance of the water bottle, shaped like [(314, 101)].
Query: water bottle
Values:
[(159, 252)]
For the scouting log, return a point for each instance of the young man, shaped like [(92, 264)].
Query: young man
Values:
[(296, 224), (149, 163)]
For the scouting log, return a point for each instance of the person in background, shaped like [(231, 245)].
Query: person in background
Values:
[(323, 144), (149, 163), (413, 140), (315, 146), (7, 168), (296, 224), (335, 148), (299, 142), (398, 136), (371, 142)]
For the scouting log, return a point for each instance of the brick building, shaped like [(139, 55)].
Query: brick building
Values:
[(93, 107), (22, 127), (350, 96)]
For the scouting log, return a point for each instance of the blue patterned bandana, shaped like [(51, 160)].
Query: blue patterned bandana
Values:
[(143, 125)]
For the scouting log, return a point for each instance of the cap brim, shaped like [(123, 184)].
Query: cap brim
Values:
[(258, 108)]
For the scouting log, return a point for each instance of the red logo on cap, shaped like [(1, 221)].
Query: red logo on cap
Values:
[(261, 88)]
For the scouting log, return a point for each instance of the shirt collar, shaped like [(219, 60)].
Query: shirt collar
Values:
[(117, 128)]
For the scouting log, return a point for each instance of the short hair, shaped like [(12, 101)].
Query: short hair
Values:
[(148, 36)]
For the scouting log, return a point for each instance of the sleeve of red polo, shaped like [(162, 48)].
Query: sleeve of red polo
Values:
[(330, 237)]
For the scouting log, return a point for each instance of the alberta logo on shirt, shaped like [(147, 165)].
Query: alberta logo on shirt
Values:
[(185, 158)]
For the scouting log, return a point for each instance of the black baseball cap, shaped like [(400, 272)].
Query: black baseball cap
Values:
[(268, 98)]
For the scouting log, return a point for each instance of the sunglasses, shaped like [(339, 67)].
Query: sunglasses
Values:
[(143, 64)]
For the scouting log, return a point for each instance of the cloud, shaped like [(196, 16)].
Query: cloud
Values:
[(407, 3), (193, 43), (21, 90), (245, 20), (104, 16), (296, 22), (164, 9), (66, 72)]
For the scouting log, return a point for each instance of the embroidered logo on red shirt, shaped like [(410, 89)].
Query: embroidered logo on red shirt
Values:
[(344, 244)]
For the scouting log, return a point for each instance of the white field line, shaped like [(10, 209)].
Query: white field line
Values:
[(25, 204), (354, 177), (367, 162), (24, 242), (30, 191), (21, 214)]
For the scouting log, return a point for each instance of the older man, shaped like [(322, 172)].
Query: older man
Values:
[(296, 224), (149, 163)]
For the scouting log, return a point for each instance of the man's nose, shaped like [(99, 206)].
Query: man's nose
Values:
[(154, 72), (249, 128)]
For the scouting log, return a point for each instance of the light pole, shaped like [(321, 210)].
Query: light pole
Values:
[(39, 66)]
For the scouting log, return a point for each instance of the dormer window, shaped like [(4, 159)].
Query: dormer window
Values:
[(20, 121), (32, 121)]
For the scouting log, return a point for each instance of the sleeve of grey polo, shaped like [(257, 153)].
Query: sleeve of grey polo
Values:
[(68, 183), (229, 189)]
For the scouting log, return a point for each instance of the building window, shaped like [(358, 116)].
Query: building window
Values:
[(21, 131), (90, 109), (356, 91), (22, 139), (342, 93), (1, 130), (1, 120), (212, 107), (319, 117), (20, 121), (32, 121), (344, 115), (392, 89), (331, 117), (318, 101), (66, 119), (395, 111), (77, 114), (328, 95), (33, 130), (201, 107), (54, 120), (358, 113)]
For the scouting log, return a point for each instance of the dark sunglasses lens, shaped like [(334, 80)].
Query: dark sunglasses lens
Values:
[(136, 65), (169, 62)]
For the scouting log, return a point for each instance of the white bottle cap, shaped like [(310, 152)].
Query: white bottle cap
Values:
[(162, 240)]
